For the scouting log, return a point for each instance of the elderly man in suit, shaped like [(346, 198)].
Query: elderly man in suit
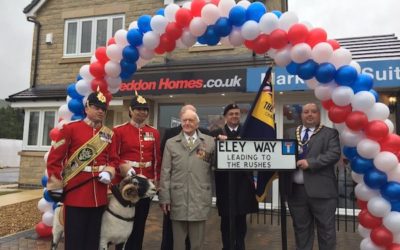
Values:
[(312, 188), (185, 185)]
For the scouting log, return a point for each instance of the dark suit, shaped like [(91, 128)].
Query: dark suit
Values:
[(241, 202), (316, 199), (167, 242)]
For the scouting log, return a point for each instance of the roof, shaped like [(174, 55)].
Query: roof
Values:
[(362, 48), (31, 6), (34, 6)]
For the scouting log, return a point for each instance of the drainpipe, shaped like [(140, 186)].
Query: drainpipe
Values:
[(35, 67)]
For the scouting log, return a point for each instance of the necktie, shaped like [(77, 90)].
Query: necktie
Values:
[(190, 142), (305, 136)]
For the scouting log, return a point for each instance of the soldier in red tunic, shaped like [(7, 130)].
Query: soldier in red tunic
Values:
[(80, 166), (138, 146)]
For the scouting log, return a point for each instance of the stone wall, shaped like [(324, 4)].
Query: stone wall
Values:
[(32, 168)]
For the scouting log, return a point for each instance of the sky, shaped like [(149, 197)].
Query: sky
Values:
[(340, 18)]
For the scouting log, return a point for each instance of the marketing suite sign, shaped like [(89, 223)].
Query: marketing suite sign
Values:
[(194, 82)]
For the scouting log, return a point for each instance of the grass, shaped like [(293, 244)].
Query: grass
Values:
[(4, 192)]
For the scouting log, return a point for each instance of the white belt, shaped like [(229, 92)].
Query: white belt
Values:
[(136, 164), (94, 168)]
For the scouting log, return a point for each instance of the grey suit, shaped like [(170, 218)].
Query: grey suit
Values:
[(315, 200)]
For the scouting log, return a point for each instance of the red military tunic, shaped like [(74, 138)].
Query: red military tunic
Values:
[(72, 136), (139, 146)]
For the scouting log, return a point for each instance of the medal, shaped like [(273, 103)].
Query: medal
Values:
[(298, 137)]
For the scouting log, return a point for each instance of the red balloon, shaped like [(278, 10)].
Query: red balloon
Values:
[(197, 6), (108, 96), (111, 41), (362, 204), (367, 220), (249, 44), (327, 104), (54, 133), (376, 130), (43, 230), (356, 120), (335, 44), (97, 70), (278, 39), (394, 246), (99, 84), (338, 114), (101, 55), (298, 33), (183, 17), (159, 50), (173, 31), (167, 43), (261, 44), (381, 236), (215, 2), (316, 35)]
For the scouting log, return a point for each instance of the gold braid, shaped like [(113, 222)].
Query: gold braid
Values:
[(298, 132)]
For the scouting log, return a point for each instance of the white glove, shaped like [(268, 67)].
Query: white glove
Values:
[(105, 177), (131, 172)]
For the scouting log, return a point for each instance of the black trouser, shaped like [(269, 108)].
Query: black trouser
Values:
[(167, 242), (239, 232), (135, 240), (82, 227)]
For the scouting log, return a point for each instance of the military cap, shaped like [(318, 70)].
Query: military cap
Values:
[(97, 99), (139, 101), (229, 107)]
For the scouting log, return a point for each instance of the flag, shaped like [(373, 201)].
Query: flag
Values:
[(260, 124)]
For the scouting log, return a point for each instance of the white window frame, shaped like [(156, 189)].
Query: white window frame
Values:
[(94, 20), (39, 146)]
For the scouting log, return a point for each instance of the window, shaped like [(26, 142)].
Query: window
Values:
[(82, 36), (38, 124)]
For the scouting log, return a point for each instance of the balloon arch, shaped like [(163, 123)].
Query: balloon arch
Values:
[(366, 133)]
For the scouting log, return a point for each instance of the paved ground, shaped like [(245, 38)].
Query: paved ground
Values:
[(9, 174), (259, 236)]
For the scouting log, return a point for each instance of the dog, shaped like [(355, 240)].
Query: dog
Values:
[(117, 220)]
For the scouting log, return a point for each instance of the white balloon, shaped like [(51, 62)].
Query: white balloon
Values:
[(363, 101), (68, 99), (394, 175), (64, 113), (170, 11), (151, 40), (367, 244), (187, 5), (158, 24), (379, 206), (340, 57), (250, 30), (133, 25), (368, 148), (312, 83), (282, 57), (272, 53), (120, 38), (390, 125), (363, 192), (268, 23), (323, 92), (225, 41), (113, 90), (146, 53), (235, 37), (83, 87), (188, 39), (355, 65), (287, 19), (60, 125), (113, 82), (114, 52), (225, 7), (322, 52), (386, 161), (392, 222), (357, 178), (364, 232), (85, 73), (300, 52), (112, 69), (396, 238), (379, 111), (141, 62), (342, 95), (47, 218), (340, 127), (44, 205), (93, 59), (351, 138), (244, 3), (307, 24), (197, 27)]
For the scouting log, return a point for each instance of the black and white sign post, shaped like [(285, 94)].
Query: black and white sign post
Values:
[(260, 155)]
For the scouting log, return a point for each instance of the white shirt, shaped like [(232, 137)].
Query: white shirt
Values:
[(194, 136), (234, 129)]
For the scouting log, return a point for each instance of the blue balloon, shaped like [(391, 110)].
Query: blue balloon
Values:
[(210, 36), (223, 27), (77, 117), (44, 181), (46, 196), (391, 191), (363, 82), (291, 68), (202, 39), (130, 54), (395, 206), (144, 23), (76, 106), (350, 152), (237, 15), (325, 72), (79, 77), (55, 205), (361, 165), (277, 13), (346, 75), (255, 11), (375, 94), (127, 68), (134, 37), (306, 70), (71, 91), (160, 12), (375, 179)]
